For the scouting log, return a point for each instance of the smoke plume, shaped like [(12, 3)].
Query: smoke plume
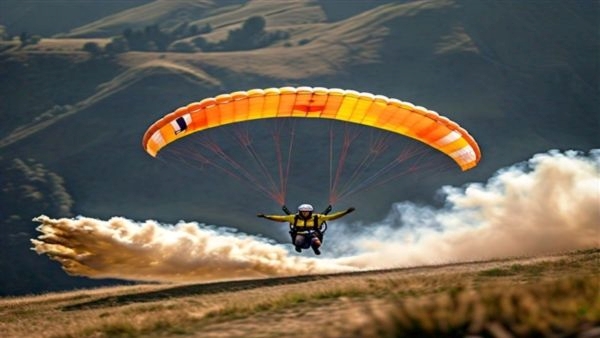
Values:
[(121, 248), (548, 204)]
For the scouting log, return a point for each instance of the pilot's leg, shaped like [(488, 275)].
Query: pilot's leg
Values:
[(316, 244), (299, 242)]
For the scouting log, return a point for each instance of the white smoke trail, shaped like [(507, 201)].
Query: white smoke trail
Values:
[(121, 248), (549, 204)]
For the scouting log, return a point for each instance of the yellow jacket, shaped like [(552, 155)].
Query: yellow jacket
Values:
[(306, 224)]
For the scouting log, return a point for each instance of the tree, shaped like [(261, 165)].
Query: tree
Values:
[(28, 39), (4, 33), (160, 39), (251, 35), (254, 25), (193, 30), (201, 43), (151, 38), (92, 48), (116, 46), (24, 38)]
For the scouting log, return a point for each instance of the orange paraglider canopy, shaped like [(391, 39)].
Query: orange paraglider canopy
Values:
[(306, 102)]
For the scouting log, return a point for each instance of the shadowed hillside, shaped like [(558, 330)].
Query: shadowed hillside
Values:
[(40, 17), (522, 81)]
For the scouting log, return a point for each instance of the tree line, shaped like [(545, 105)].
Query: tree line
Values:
[(251, 35), (25, 38)]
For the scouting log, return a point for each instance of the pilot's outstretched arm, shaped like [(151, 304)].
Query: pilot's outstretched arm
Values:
[(278, 218), (337, 215)]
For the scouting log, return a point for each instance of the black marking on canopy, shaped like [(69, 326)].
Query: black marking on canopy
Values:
[(181, 124)]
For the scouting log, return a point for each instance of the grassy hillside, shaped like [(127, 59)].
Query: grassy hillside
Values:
[(537, 296), (522, 81), (220, 15), (141, 16)]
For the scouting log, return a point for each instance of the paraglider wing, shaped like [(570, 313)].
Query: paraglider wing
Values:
[(307, 102)]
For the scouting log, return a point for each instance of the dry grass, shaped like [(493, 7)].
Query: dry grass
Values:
[(546, 309), (548, 296)]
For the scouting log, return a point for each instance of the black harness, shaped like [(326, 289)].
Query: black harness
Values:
[(318, 230)]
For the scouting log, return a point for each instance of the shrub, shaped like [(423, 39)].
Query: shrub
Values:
[(303, 42)]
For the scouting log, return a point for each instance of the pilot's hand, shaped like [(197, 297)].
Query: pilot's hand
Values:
[(261, 216), (351, 209)]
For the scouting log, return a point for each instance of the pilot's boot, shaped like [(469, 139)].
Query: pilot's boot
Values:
[(315, 246)]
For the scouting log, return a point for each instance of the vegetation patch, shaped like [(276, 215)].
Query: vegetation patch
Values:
[(557, 308), (187, 38), (513, 270), (475, 299)]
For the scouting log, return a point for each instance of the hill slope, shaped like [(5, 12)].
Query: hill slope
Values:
[(522, 82), (538, 296)]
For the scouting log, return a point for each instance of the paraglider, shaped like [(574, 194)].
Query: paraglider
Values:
[(307, 228), (376, 112), (306, 102)]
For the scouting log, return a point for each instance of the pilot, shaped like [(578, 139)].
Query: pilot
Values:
[(306, 226)]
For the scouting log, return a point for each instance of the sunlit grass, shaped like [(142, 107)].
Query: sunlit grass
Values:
[(554, 308), (556, 296)]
